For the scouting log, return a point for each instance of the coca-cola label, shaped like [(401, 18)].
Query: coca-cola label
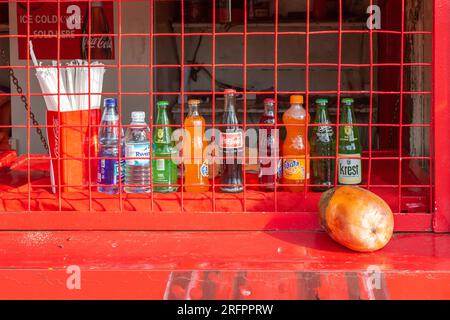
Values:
[(231, 140), (98, 42)]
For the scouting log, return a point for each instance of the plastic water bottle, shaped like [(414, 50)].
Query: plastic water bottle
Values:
[(110, 135), (137, 152)]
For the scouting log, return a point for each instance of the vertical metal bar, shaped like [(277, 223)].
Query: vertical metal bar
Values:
[(275, 85), (29, 109), (308, 28), (213, 86), (400, 142), (245, 105), (431, 126), (338, 101), (182, 89), (441, 107), (152, 97), (369, 174), (119, 76), (58, 53), (89, 107)]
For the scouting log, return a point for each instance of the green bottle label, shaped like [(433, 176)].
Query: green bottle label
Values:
[(164, 170), (349, 135)]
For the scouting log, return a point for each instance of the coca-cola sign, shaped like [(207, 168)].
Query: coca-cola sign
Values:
[(73, 20), (232, 140)]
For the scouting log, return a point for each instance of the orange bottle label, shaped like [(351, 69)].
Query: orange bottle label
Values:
[(295, 169)]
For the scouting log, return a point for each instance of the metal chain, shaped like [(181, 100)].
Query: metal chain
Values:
[(24, 100), (396, 115)]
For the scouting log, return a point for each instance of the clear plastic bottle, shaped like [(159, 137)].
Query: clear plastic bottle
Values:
[(137, 152), (108, 163)]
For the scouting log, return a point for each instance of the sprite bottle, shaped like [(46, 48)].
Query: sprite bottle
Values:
[(323, 144), (350, 150), (164, 168)]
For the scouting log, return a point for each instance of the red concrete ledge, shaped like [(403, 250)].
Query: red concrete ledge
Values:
[(218, 265)]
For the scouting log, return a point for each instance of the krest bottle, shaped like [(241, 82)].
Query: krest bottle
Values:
[(350, 150)]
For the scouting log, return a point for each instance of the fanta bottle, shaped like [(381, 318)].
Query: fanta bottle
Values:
[(295, 146), (196, 165)]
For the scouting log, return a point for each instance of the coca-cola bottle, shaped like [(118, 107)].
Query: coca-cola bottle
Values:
[(231, 146), (101, 45), (269, 146)]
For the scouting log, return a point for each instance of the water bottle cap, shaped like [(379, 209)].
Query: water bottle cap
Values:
[(296, 99), (109, 102), (348, 101), (138, 116), (162, 103), (322, 101)]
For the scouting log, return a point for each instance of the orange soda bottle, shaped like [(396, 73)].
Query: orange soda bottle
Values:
[(195, 165), (295, 146)]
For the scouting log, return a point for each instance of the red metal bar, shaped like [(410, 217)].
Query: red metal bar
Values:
[(274, 265), (400, 141), (436, 195), (371, 52), (441, 98)]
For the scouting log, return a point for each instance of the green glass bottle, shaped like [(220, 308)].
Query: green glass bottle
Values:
[(323, 144), (350, 150), (164, 168)]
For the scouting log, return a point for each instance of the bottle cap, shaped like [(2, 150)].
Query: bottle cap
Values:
[(229, 91), (297, 99), (162, 103), (96, 4), (269, 101), (348, 101), (138, 116), (109, 102), (322, 101), (194, 102)]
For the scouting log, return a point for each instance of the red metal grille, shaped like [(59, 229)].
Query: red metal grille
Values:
[(403, 179)]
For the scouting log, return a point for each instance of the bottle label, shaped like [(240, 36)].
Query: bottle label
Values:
[(324, 133), (141, 151), (231, 140), (204, 171), (295, 169), (160, 136), (160, 164), (108, 172), (348, 135), (110, 117), (350, 169), (165, 170)]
